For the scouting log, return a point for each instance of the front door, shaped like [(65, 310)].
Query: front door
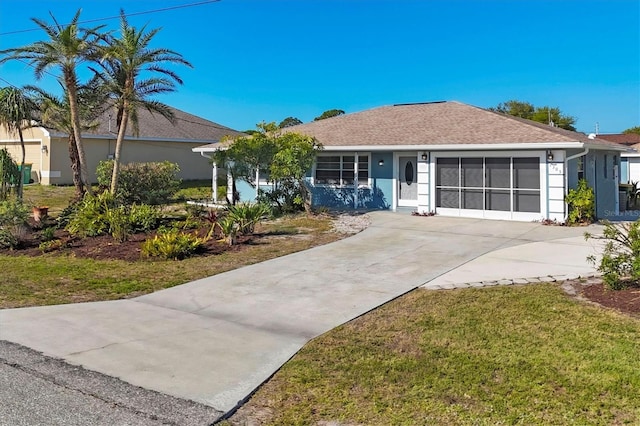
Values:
[(407, 181)]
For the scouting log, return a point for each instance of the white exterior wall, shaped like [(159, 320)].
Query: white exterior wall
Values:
[(556, 179), (634, 168), (424, 184)]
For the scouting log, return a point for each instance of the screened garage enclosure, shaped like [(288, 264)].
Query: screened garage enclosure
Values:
[(491, 184)]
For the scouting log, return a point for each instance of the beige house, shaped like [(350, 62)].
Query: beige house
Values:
[(158, 140)]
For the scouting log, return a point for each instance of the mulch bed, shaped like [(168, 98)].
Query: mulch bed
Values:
[(104, 247), (626, 300)]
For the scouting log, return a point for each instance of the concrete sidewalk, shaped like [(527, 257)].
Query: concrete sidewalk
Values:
[(216, 340)]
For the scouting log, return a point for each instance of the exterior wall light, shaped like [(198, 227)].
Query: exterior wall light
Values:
[(44, 149), (549, 155), (425, 156), (380, 162)]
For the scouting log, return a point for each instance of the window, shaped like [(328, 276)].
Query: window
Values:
[(485, 183), (581, 167), (341, 169)]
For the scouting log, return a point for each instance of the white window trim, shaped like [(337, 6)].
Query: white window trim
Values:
[(343, 154)]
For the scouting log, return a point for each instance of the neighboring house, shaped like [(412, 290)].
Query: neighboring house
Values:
[(158, 140), (630, 161), (456, 160)]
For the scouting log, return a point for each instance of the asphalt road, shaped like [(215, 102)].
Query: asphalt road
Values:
[(40, 390)]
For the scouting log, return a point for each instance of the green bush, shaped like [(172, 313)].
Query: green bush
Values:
[(620, 262), (90, 216), (229, 228), (247, 215), (119, 223), (172, 244), (9, 173), (143, 183), (581, 202), (13, 223), (144, 218), (48, 234)]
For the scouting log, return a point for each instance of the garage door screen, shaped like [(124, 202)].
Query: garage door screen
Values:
[(487, 183)]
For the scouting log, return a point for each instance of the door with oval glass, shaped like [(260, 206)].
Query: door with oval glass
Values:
[(407, 181)]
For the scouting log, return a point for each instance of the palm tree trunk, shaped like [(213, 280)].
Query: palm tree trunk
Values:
[(75, 168), (70, 81), (116, 157), (20, 179)]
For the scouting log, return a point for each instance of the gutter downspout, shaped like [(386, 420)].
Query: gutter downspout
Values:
[(214, 178), (566, 174)]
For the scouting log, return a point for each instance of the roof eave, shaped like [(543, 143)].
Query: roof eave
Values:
[(465, 147)]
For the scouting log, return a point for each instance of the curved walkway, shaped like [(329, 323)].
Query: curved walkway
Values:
[(215, 340)]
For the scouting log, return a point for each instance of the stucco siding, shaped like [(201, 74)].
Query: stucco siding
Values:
[(96, 150), (606, 184)]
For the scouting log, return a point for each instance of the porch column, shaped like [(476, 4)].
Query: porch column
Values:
[(355, 181), (214, 183), (230, 183)]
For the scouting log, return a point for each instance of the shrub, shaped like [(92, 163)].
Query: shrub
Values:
[(146, 183), (581, 202), (48, 234), (620, 262), (286, 198), (229, 228), (172, 244), (144, 218), (13, 223), (89, 218), (119, 223), (247, 215), (9, 173)]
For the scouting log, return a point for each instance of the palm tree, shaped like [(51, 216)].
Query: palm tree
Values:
[(16, 113), (67, 47), (55, 113), (125, 59)]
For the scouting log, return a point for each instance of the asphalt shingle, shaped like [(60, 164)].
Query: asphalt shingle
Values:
[(436, 123)]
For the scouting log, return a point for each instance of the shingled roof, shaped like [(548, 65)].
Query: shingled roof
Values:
[(628, 139), (186, 128), (436, 124)]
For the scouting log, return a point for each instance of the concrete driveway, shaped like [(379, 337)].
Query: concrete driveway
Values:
[(217, 339)]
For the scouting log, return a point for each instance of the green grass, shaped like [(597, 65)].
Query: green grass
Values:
[(55, 279), (55, 197), (507, 355)]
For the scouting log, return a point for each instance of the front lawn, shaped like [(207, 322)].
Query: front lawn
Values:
[(505, 355), (81, 274)]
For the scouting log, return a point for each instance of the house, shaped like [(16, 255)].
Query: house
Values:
[(158, 140), (456, 160), (630, 160)]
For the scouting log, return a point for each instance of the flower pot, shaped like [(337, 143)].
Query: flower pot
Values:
[(40, 213)]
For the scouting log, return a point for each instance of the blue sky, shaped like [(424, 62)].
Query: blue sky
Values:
[(264, 60)]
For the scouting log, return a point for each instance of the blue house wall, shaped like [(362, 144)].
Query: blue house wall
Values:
[(377, 196)]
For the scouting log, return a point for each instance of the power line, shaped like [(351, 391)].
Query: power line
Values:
[(126, 14)]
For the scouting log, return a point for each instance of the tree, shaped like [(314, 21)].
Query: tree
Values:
[(294, 157), (67, 47), (329, 113), (55, 113), (17, 110), (286, 157), (543, 114), (124, 60), (632, 130), (251, 154), (289, 121)]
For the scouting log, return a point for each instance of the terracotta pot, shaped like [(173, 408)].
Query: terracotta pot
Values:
[(40, 213)]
